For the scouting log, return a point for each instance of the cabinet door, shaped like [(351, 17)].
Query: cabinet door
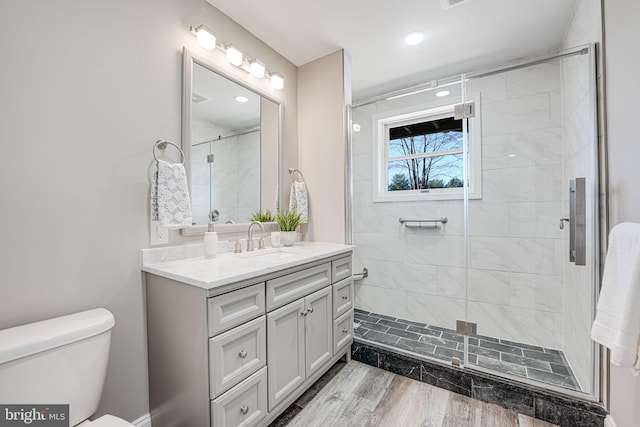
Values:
[(285, 350), (318, 330)]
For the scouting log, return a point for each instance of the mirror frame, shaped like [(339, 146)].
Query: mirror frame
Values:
[(188, 59)]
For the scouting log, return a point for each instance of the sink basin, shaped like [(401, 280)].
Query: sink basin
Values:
[(273, 254)]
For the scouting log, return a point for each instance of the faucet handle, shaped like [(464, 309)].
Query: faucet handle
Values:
[(261, 243), (238, 248)]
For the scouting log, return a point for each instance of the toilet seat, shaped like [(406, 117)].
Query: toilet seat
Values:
[(106, 421)]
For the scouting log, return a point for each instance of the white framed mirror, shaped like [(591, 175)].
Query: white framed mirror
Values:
[(231, 140)]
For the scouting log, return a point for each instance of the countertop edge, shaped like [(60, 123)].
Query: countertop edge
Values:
[(325, 250)]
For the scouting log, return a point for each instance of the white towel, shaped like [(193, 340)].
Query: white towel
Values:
[(298, 201), (170, 201), (617, 323)]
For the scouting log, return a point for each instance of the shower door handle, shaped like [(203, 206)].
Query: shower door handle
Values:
[(577, 221)]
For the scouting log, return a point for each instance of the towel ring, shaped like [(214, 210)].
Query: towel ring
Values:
[(293, 171), (163, 145)]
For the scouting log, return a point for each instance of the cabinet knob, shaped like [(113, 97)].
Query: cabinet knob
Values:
[(345, 297), (310, 309), (244, 410), (303, 313), (242, 354), (345, 331)]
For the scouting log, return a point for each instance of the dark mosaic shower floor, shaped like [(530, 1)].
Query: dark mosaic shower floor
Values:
[(541, 364)]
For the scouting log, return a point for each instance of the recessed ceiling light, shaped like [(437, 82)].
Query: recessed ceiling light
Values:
[(414, 38), (242, 99), (442, 93)]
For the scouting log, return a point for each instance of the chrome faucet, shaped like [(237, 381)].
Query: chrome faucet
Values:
[(250, 237)]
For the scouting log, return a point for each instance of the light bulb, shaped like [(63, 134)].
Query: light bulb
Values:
[(277, 81), (414, 38), (205, 37), (257, 68), (234, 56)]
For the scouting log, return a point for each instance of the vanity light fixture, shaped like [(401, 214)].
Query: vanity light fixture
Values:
[(442, 93), (234, 56), (205, 37), (257, 68), (414, 38), (277, 81), (241, 99)]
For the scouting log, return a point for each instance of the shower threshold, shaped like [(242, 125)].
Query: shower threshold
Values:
[(540, 364)]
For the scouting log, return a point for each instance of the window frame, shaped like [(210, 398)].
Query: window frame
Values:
[(382, 122)]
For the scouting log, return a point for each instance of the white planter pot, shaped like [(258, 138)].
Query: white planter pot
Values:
[(288, 238)]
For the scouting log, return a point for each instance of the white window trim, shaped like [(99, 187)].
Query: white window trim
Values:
[(380, 173)]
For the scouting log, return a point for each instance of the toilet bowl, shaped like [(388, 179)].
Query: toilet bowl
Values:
[(59, 361)]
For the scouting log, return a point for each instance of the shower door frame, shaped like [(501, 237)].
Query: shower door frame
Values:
[(600, 371)]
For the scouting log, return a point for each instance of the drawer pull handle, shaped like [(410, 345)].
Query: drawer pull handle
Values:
[(303, 313), (345, 297), (243, 354), (345, 331), (244, 410), (310, 309)]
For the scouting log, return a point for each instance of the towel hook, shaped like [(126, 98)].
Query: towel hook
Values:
[(163, 145), (293, 171)]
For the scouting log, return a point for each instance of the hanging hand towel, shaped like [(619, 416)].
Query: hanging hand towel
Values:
[(298, 199), (617, 323), (170, 202)]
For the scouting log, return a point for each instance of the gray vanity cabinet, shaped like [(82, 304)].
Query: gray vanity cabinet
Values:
[(300, 342), (239, 354)]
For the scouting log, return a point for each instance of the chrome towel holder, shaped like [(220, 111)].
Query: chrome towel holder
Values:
[(162, 145), (433, 223), (292, 172)]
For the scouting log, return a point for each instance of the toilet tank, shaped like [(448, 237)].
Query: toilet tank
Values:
[(57, 361)]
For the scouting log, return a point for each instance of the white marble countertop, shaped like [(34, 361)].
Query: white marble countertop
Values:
[(181, 263)]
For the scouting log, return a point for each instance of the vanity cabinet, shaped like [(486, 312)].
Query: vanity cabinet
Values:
[(239, 354), (300, 342)]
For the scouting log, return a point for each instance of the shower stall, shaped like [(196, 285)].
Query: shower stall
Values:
[(474, 209)]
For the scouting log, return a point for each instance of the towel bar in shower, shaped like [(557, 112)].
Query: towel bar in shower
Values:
[(431, 223)]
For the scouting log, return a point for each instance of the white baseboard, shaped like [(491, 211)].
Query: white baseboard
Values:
[(143, 421)]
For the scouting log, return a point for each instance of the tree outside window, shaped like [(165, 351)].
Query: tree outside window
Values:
[(425, 155)]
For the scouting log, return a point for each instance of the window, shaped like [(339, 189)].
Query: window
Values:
[(420, 155)]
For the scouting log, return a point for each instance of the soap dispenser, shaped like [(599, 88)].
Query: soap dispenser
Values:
[(210, 242)]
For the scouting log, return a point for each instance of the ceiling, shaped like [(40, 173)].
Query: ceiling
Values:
[(471, 35)]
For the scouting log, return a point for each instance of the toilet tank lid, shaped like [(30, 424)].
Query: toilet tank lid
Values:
[(32, 338)]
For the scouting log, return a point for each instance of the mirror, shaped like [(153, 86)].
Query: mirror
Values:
[(230, 137)]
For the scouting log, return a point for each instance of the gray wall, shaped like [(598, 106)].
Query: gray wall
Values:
[(86, 88), (622, 62)]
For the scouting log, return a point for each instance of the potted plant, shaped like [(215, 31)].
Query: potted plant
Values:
[(260, 216), (288, 222)]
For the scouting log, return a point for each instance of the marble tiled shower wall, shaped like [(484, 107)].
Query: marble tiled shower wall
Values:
[(516, 247), (232, 183)]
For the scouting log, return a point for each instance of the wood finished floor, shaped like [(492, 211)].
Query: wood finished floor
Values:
[(356, 394)]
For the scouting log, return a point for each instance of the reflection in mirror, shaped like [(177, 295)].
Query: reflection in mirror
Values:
[(231, 138)]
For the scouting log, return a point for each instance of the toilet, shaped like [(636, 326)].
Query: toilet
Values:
[(59, 361)]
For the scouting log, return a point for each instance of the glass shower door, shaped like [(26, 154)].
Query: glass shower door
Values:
[(408, 221), (531, 290)]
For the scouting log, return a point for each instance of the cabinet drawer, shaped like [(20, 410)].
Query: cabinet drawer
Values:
[(341, 269), (342, 297), (234, 308), (342, 331), (236, 354), (244, 405), (286, 289)]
